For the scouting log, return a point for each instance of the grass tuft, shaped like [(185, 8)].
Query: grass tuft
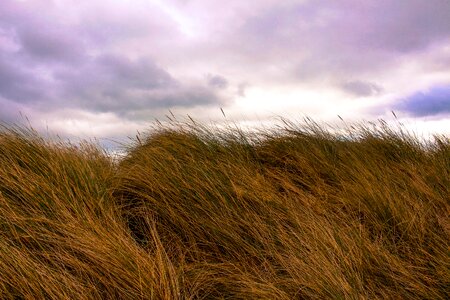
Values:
[(195, 212)]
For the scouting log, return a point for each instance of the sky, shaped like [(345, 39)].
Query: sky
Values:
[(107, 68)]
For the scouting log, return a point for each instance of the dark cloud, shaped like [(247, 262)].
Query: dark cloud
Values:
[(112, 83), (186, 97), (41, 37), (18, 83), (155, 104), (361, 88), (50, 44), (48, 63), (142, 73), (432, 102), (217, 81)]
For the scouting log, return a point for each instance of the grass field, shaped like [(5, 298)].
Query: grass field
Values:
[(192, 212)]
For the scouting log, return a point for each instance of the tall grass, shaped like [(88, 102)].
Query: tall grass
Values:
[(192, 212)]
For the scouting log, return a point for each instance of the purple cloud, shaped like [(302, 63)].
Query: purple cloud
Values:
[(49, 44), (20, 84), (434, 101)]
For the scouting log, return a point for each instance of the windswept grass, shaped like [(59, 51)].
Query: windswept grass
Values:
[(198, 213)]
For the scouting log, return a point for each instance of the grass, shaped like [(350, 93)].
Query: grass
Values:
[(191, 212)]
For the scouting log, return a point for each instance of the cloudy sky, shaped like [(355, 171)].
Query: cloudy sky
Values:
[(107, 68)]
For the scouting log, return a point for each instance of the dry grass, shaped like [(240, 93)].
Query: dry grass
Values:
[(194, 213)]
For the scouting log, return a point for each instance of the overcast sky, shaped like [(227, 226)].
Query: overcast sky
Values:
[(107, 68)]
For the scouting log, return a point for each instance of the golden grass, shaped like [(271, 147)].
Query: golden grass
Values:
[(196, 213)]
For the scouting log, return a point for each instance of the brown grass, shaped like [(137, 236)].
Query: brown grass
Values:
[(197, 213)]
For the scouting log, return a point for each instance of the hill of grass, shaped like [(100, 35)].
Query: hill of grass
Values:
[(195, 213)]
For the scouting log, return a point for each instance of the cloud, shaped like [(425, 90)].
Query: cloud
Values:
[(361, 88), (112, 83), (434, 101), (317, 40), (49, 63), (51, 44), (40, 38), (241, 89), (18, 83), (10, 112), (405, 26), (217, 81)]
